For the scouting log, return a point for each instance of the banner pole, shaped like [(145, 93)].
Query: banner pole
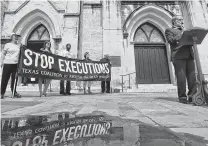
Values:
[(16, 74)]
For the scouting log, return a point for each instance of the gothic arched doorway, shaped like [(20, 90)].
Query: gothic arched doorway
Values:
[(37, 38), (35, 42), (150, 56)]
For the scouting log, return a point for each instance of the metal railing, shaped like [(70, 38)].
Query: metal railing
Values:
[(129, 80)]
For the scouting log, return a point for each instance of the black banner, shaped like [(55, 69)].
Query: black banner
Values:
[(47, 65)]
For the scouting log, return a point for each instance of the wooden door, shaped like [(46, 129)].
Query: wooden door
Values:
[(35, 42), (151, 65)]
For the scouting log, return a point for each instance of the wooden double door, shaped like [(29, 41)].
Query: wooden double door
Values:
[(151, 64)]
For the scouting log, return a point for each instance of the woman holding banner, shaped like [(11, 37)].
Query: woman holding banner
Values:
[(46, 48), (87, 83), (9, 63)]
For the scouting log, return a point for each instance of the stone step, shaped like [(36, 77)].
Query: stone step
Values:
[(154, 88)]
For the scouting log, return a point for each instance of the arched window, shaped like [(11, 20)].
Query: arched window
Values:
[(148, 33), (40, 33)]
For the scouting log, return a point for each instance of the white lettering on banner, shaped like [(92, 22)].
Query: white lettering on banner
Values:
[(63, 139), (73, 66), (61, 65), (80, 131), (78, 67), (102, 68), (75, 132), (70, 133), (107, 70), (89, 64), (46, 128), (50, 61), (68, 69), (37, 55), (84, 68), (37, 141), (29, 61), (46, 61), (97, 68), (56, 137), (93, 66), (47, 73)]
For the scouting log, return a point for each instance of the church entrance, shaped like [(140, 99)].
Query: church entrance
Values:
[(150, 56), (35, 42)]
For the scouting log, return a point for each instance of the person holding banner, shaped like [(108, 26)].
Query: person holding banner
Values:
[(183, 60), (46, 48), (87, 83), (66, 53), (105, 85), (9, 63)]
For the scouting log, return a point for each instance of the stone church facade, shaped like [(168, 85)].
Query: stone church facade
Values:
[(131, 32)]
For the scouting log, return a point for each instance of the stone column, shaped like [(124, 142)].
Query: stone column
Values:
[(113, 35)]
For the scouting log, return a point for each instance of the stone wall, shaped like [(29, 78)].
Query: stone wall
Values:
[(4, 6), (92, 32)]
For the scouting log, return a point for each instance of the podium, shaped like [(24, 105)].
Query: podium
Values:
[(195, 36)]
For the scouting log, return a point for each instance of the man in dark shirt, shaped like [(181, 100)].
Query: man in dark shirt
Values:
[(183, 60), (105, 85)]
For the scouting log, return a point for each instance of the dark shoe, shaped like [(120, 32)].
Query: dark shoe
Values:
[(190, 100), (2, 96), (17, 95), (107, 91), (183, 100), (62, 93), (45, 94), (85, 91), (68, 93), (89, 90)]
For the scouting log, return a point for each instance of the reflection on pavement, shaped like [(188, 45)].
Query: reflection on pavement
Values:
[(97, 129)]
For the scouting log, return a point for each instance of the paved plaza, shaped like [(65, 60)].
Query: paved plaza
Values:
[(157, 109)]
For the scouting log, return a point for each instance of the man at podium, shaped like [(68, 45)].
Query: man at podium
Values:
[(182, 59)]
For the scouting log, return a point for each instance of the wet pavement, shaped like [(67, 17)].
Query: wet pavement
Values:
[(96, 129), (135, 119)]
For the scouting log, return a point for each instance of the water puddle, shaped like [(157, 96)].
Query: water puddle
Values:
[(97, 129)]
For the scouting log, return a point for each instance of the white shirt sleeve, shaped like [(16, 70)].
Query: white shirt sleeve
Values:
[(6, 47)]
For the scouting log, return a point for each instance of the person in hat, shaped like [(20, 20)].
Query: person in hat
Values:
[(10, 57), (87, 83), (105, 85), (182, 58), (68, 54)]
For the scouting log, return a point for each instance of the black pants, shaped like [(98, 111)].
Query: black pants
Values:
[(68, 86), (185, 69), (105, 86), (8, 70)]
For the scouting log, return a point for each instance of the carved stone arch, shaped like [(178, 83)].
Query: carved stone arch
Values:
[(156, 15), (30, 21)]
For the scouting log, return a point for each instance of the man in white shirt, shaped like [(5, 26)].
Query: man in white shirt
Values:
[(66, 53), (9, 63)]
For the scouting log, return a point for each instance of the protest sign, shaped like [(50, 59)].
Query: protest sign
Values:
[(47, 65)]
